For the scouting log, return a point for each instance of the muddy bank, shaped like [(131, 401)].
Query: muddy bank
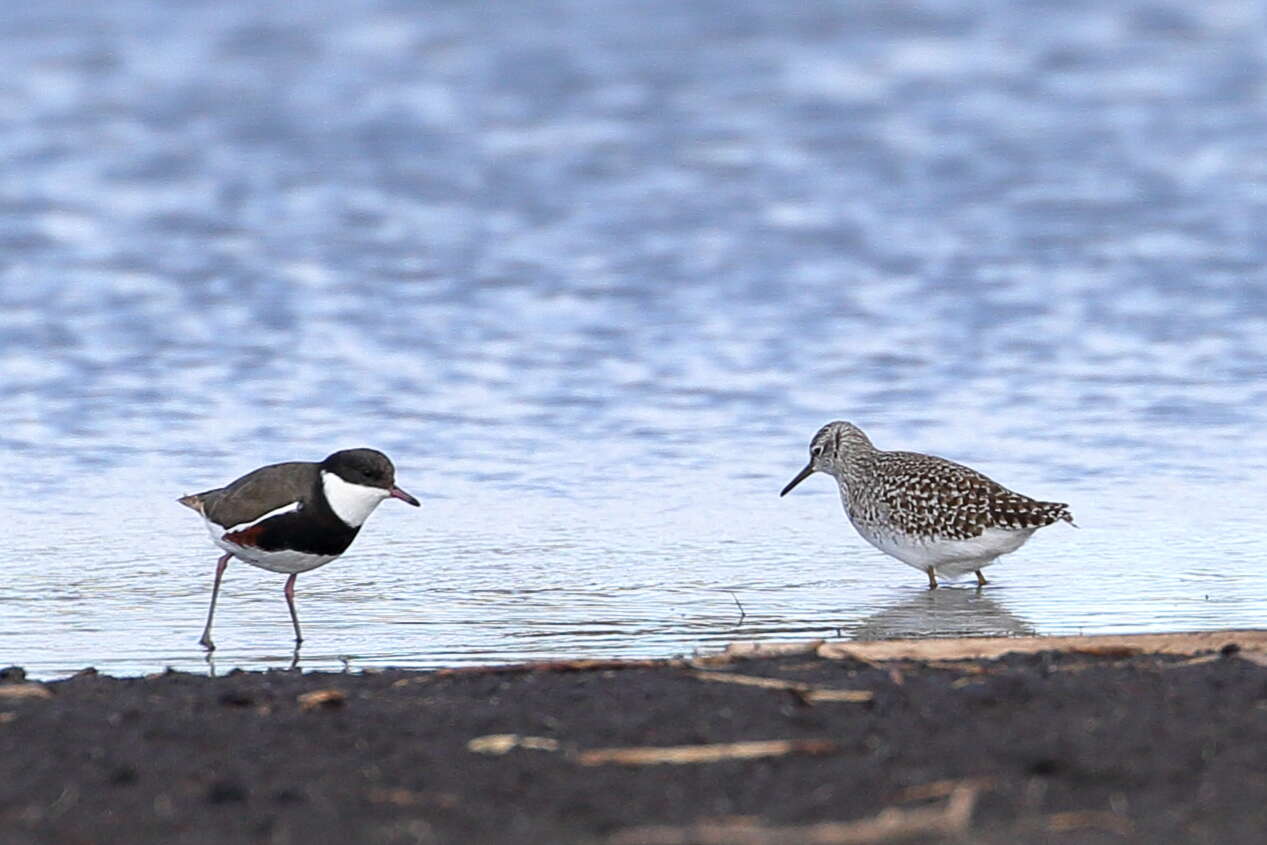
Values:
[(993, 741)]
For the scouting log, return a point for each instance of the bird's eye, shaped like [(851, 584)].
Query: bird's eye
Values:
[(816, 451)]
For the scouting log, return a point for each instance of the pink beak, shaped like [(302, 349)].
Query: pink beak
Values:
[(397, 493)]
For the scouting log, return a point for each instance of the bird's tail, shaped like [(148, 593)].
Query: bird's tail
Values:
[(1060, 511)]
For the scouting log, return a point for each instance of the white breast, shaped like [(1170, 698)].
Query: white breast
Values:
[(282, 560), (948, 557), (352, 503)]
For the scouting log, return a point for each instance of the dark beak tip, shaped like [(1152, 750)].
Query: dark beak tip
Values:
[(801, 476), (397, 493)]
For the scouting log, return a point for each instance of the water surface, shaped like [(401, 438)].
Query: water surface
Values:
[(592, 274)]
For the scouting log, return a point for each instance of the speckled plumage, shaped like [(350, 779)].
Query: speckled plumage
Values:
[(936, 515)]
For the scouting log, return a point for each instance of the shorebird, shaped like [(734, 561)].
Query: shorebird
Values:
[(938, 516), (295, 516)]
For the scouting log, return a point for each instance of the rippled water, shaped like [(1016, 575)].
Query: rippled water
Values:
[(593, 273)]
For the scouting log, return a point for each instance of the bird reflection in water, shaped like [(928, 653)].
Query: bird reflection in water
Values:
[(941, 613)]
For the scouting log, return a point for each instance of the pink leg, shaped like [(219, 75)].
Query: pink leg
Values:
[(215, 592), (290, 601)]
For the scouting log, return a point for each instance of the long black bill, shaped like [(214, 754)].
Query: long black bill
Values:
[(801, 476)]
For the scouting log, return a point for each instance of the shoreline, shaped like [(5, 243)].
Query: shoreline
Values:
[(1104, 738)]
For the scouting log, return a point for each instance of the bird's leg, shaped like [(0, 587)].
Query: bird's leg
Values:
[(215, 591), (290, 601), (981, 582), (932, 579)]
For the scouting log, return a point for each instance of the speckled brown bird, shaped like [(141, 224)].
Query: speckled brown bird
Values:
[(938, 516)]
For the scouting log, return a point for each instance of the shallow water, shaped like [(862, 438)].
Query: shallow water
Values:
[(592, 279)]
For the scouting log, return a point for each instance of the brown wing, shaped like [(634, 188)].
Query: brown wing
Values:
[(940, 497), (259, 492)]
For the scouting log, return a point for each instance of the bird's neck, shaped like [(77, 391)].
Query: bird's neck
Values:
[(855, 468), (351, 503)]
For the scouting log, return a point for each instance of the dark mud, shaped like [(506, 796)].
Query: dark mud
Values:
[(1061, 747)]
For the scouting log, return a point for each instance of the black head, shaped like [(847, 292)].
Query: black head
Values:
[(368, 468)]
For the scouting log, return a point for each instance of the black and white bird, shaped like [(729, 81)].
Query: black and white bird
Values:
[(295, 516)]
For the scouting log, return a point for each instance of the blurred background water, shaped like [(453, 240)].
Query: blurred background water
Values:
[(592, 272)]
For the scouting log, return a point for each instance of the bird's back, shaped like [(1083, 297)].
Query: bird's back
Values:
[(256, 493), (927, 496)]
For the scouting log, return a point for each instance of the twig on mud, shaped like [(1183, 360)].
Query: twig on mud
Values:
[(498, 744), (652, 755), (891, 824), (322, 699), (989, 648), (1111, 650), (1195, 661), (750, 650), (1089, 819), (1257, 658), (941, 789), (804, 691), (409, 798), (24, 691), (961, 667), (712, 753), (549, 666)]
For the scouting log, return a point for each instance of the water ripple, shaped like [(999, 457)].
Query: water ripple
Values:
[(593, 279)]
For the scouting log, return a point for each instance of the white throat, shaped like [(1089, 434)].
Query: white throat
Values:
[(352, 503)]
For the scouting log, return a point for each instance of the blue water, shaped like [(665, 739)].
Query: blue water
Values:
[(593, 273)]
